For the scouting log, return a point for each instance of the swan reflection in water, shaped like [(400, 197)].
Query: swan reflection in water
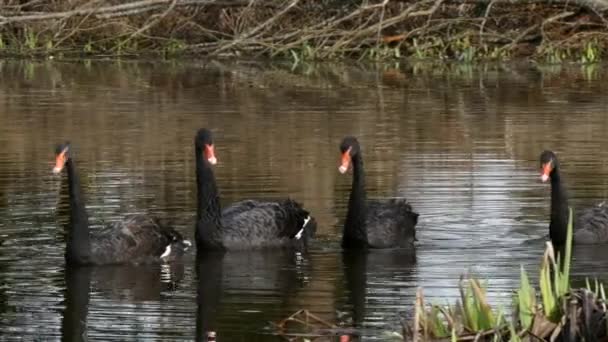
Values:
[(124, 283), (364, 270), (231, 283), (128, 283)]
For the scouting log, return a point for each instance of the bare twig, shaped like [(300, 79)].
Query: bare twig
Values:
[(552, 19), (151, 23), (485, 19), (381, 20), (408, 13), (256, 29), (520, 37), (106, 11), (326, 30)]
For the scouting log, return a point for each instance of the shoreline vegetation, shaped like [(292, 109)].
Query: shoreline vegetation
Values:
[(549, 31), (556, 312)]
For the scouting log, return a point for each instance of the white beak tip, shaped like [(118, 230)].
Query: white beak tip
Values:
[(212, 160), (544, 177), (342, 169), (56, 170)]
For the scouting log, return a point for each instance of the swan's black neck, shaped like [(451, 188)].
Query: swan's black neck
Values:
[(78, 249), (355, 233), (558, 228), (209, 209)]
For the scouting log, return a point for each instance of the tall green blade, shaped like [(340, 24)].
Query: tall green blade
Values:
[(526, 300)]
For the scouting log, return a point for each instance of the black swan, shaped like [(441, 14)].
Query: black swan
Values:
[(135, 239), (374, 224), (590, 227), (247, 224)]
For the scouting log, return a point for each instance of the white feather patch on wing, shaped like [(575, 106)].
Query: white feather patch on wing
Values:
[(299, 235), (306, 220), (167, 252)]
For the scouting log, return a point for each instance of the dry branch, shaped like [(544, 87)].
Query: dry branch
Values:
[(257, 29), (131, 8), (312, 28)]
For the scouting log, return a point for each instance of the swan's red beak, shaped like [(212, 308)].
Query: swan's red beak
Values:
[(59, 162), (345, 164), (210, 154), (546, 171)]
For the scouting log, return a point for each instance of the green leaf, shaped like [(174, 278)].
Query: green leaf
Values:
[(565, 277), (555, 276), (526, 300), (546, 286), (437, 325), (514, 336)]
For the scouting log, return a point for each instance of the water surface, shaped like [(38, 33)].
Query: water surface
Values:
[(461, 143)]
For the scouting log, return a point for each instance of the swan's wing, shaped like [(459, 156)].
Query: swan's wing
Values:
[(591, 225), (294, 221), (390, 223), (253, 223), (240, 207), (132, 239), (249, 224)]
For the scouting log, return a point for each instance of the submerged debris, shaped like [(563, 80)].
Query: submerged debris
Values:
[(305, 326)]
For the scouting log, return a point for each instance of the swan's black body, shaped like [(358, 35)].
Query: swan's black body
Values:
[(373, 224), (246, 224), (135, 239), (590, 226)]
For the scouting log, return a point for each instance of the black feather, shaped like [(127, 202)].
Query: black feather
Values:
[(135, 239), (590, 226), (374, 224), (246, 224)]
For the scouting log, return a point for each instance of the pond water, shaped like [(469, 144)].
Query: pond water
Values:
[(461, 143)]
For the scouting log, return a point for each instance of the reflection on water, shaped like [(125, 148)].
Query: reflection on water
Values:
[(370, 273), (246, 284), (461, 143), (135, 285)]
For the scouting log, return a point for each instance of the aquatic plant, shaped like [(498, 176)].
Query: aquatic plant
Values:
[(591, 52), (472, 315), (561, 311)]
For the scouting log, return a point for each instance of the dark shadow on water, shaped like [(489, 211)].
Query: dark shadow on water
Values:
[(136, 283), (378, 266), (124, 283), (74, 322), (589, 261), (209, 291), (241, 277)]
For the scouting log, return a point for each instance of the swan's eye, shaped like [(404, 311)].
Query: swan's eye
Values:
[(210, 154)]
